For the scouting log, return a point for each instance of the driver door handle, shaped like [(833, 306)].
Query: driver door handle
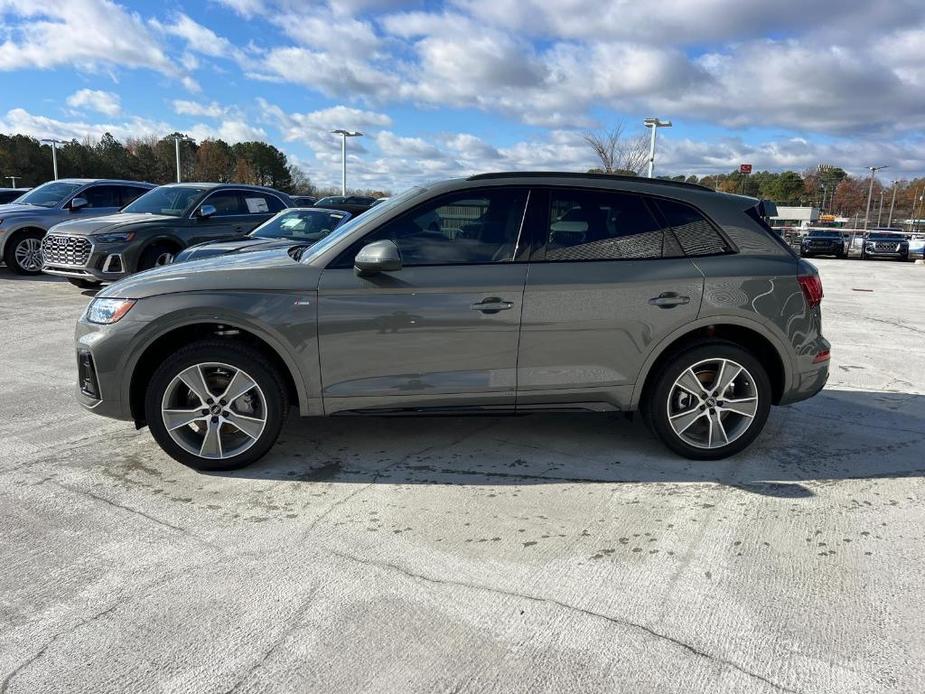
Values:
[(669, 300), (492, 304)]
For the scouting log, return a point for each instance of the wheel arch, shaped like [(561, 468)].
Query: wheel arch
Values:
[(10, 236), (151, 355), (767, 348)]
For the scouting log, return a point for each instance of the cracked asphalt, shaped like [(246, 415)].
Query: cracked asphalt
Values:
[(532, 554)]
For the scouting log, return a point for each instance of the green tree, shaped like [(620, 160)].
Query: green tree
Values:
[(215, 161), (265, 165)]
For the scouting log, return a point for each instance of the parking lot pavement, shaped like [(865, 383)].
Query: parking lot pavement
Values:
[(543, 553)]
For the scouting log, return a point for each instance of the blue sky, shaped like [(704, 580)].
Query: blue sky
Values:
[(451, 88)]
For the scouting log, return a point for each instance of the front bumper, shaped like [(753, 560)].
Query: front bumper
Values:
[(104, 263), (108, 348)]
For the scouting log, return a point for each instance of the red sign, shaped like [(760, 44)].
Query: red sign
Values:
[(745, 168)]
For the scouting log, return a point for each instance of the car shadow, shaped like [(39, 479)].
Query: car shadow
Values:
[(838, 434), (9, 275)]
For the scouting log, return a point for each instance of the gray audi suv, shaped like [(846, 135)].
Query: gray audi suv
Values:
[(512, 292), (23, 223)]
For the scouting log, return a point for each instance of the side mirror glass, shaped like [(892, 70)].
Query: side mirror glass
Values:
[(376, 257), (78, 202), (206, 211)]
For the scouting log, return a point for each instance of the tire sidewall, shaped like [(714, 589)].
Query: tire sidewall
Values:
[(238, 356), (673, 368), (149, 256)]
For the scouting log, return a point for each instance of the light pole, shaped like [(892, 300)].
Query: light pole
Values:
[(880, 213), (54, 153), (13, 179), (177, 139), (870, 192), (825, 189), (655, 124), (892, 205), (344, 134)]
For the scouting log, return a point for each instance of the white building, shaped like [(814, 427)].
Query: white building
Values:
[(795, 217)]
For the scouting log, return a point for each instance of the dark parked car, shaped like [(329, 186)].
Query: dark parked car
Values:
[(154, 228), (354, 204), (10, 194), (885, 244), (818, 242), (289, 228), (499, 292), (303, 200), (23, 223)]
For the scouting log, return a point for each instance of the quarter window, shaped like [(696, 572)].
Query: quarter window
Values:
[(601, 226), (466, 228), (694, 233)]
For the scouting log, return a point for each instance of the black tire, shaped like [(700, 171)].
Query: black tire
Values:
[(156, 255), (658, 399), (236, 355), (17, 240), (84, 284)]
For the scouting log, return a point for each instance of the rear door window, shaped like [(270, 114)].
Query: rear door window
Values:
[(227, 203), (102, 196), (601, 225), (694, 233)]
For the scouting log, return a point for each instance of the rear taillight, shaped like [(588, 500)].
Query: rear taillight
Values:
[(812, 289)]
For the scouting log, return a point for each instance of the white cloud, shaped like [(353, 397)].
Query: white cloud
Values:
[(19, 120), (231, 131), (96, 100), (184, 107)]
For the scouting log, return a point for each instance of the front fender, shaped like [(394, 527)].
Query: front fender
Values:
[(285, 323)]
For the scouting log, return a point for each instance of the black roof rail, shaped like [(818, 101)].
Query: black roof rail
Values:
[(574, 174)]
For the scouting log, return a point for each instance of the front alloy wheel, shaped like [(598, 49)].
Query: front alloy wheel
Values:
[(710, 401), (24, 253), (215, 405)]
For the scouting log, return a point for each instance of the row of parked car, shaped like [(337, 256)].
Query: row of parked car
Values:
[(97, 231), (878, 243)]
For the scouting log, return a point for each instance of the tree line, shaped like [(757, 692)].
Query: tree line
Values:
[(151, 159)]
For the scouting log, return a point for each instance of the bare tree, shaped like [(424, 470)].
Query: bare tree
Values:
[(619, 153)]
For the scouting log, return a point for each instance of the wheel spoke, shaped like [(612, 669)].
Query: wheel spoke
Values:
[(747, 407), (246, 425), (727, 376), (689, 382), (682, 421), (196, 382), (239, 385), (709, 432), (722, 429), (174, 419), (212, 441)]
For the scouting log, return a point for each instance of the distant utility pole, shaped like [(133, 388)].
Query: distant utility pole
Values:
[(870, 192), (176, 145), (54, 153), (892, 205), (344, 134), (655, 124), (880, 213), (13, 179)]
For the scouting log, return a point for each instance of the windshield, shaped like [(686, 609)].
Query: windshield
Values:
[(373, 214), (49, 194), (302, 225), (169, 200), (826, 234), (332, 200)]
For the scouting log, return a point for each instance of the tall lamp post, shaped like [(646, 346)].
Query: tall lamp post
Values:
[(177, 139), (892, 205), (54, 153), (344, 134), (13, 179), (870, 192), (880, 213), (655, 124)]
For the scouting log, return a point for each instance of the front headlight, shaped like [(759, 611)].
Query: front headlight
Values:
[(106, 311), (116, 237)]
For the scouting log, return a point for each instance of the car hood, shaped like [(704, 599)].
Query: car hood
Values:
[(247, 243), (12, 209), (271, 270), (112, 222)]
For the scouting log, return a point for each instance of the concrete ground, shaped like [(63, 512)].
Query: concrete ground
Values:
[(545, 553)]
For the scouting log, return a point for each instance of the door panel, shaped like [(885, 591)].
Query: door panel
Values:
[(422, 336)]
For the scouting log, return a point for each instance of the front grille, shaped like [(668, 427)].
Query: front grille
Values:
[(886, 246), (66, 250)]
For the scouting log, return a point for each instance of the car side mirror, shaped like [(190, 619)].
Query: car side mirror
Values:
[(376, 257), (78, 203), (206, 211)]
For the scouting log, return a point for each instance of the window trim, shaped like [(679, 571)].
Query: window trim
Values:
[(336, 265)]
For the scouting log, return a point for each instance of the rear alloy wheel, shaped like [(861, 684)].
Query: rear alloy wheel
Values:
[(215, 406), (24, 253), (710, 402)]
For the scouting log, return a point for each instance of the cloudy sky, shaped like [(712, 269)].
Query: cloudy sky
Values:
[(450, 88)]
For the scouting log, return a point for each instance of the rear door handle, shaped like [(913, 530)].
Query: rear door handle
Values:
[(492, 304), (669, 300)]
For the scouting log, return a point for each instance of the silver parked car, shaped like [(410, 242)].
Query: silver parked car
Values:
[(24, 222), (496, 293)]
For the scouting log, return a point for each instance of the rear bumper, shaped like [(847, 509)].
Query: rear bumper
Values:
[(807, 384)]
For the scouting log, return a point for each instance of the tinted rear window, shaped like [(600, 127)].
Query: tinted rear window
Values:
[(694, 233)]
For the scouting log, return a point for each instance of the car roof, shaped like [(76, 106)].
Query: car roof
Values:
[(120, 181), (572, 176), (212, 185)]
